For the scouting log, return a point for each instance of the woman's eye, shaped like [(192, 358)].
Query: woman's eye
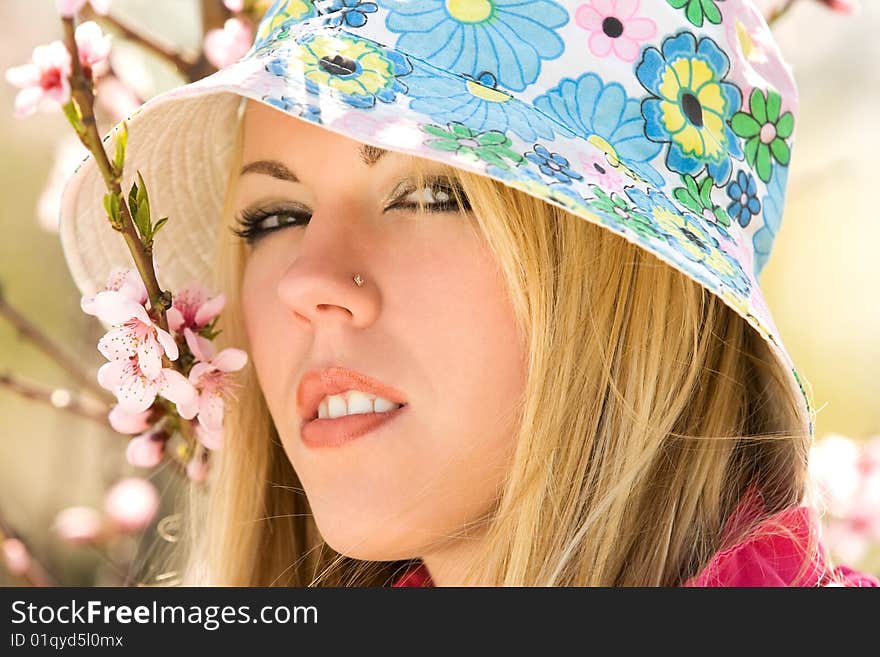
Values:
[(435, 197), (254, 223)]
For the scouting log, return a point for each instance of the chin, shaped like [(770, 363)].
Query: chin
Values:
[(372, 542)]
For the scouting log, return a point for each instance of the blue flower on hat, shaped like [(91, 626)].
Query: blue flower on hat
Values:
[(605, 116), (691, 105), (476, 103), (745, 203), (773, 207), (552, 165), (508, 38), (685, 234), (358, 70), (352, 13), (295, 107), (279, 17)]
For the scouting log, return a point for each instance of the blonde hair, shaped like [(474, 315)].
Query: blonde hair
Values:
[(650, 409)]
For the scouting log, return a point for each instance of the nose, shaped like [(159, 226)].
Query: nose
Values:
[(319, 286)]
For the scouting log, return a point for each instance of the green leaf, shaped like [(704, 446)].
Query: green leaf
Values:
[(691, 185), (71, 111), (705, 191), (785, 125), (121, 143), (142, 220), (142, 198), (132, 200), (107, 204), (745, 125), (158, 225), (758, 105)]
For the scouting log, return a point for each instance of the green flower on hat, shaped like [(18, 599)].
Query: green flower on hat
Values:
[(765, 132), (615, 210), (696, 197), (492, 146), (697, 10), (359, 70)]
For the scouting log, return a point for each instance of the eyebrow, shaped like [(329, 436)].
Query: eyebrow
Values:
[(369, 156)]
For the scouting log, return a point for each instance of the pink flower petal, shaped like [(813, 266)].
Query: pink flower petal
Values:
[(111, 375), (175, 318), (118, 343), (176, 388), (212, 440), (640, 29), (625, 48), (16, 556), (624, 9), (67, 8), (145, 451), (168, 343), (604, 7), (600, 44), (197, 470), (230, 360), (78, 524), (211, 411), (93, 46), (136, 394), (52, 56), (588, 18), (209, 310), (112, 307), (198, 370), (26, 75), (27, 101), (128, 423), (149, 358), (101, 6), (201, 348)]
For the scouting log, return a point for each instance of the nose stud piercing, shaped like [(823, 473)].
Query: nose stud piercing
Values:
[(358, 280)]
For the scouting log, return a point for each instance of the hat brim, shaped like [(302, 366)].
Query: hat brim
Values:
[(181, 142)]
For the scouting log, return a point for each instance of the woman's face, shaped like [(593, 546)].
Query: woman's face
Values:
[(432, 319)]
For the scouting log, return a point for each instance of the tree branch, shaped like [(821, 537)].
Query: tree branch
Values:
[(31, 332), (43, 394), (36, 574)]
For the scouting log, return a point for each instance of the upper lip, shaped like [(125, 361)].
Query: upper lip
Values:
[(319, 383)]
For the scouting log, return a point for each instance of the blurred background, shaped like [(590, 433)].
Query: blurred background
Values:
[(820, 283)]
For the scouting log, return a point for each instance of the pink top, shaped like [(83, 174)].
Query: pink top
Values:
[(771, 555)]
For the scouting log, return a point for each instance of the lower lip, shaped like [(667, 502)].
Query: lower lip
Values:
[(333, 432)]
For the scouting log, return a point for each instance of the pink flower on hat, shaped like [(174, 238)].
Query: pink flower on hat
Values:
[(44, 79), (227, 46), (210, 375), (191, 308), (615, 27)]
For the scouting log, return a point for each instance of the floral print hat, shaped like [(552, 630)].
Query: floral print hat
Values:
[(669, 122)]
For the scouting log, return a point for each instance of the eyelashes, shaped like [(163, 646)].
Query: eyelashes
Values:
[(437, 195)]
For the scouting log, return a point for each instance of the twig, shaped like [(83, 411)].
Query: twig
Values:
[(32, 333), (43, 394), (82, 94), (779, 11), (162, 50)]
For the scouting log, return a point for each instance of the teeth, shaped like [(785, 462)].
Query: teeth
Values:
[(353, 402)]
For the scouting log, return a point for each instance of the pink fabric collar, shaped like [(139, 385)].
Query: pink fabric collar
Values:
[(770, 555)]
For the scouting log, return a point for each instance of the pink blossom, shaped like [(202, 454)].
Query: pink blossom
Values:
[(212, 440), (146, 450), (235, 6), (120, 279), (69, 8), (136, 392), (93, 47), (210, 375), (197, 469), (16, 556), (128, 423), (191, 308), (226, 46), (44, 82), (615, 27), (78, 524), (132, 504)]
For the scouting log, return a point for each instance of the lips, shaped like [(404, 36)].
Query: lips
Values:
[(319, 383)]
